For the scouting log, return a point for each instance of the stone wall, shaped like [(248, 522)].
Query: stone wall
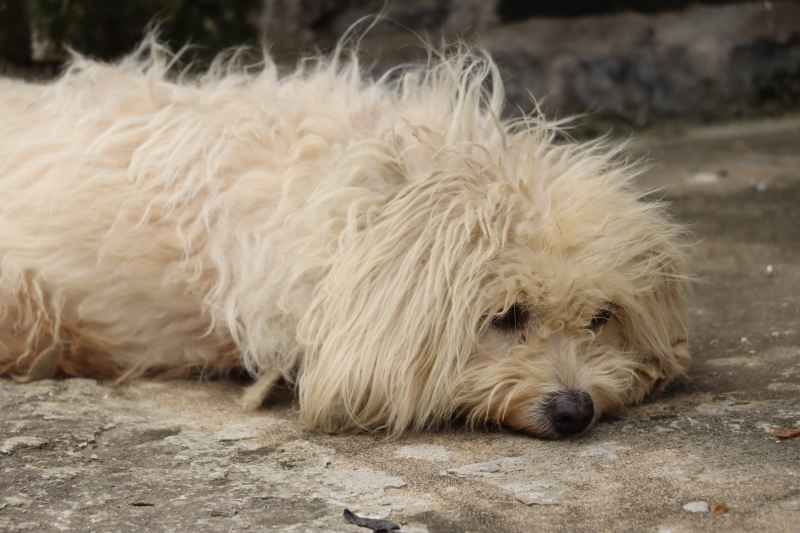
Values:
[(667, 59)]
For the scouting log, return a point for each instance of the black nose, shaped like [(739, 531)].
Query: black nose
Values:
[(570, 411)]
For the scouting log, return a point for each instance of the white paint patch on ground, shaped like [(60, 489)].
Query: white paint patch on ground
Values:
[(432, 453), (511, 475), (736, 361), (9, 446), (608, 452), (704, 178), (490, 469), (535, 492), (784, 387), (236, 432)]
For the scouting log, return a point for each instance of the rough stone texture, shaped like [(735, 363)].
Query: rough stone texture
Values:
[(181, 456), (700, 63), (693, 60)]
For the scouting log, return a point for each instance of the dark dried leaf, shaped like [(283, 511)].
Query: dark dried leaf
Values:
[(378, 526), (719, 509)]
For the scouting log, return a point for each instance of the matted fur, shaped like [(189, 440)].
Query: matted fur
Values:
[(354, 237)]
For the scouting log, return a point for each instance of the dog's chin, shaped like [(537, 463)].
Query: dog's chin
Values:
[(561, 415)]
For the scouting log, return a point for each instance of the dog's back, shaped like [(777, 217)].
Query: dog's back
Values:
[(142, 212)]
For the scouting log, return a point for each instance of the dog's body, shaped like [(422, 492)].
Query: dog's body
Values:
[(394, 248)]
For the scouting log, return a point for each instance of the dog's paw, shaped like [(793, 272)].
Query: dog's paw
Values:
[(680, 349), (254, 395)]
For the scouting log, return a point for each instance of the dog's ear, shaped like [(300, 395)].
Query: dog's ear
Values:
[(395, 316), (657, 319)]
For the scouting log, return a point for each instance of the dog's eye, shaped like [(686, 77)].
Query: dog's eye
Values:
[(600, 319), (514, 318)]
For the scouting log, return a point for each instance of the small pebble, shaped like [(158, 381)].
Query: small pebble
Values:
[(761, 187), (696, 507), (218, 475), (744, 340), (769, 270)]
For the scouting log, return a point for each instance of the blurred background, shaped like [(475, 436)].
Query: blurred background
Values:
[(628, 63)]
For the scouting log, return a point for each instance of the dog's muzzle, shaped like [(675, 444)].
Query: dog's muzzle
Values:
[(569, 412)]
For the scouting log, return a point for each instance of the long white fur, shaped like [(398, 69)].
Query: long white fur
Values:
[(354, 236)]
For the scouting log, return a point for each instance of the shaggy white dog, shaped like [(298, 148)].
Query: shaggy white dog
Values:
[(394, 248)]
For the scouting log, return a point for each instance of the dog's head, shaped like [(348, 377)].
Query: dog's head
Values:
[(512, 280)]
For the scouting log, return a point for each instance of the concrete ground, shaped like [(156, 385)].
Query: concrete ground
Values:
[(80, 456)]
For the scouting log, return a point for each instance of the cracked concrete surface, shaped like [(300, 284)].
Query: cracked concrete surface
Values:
[(180, 456)]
